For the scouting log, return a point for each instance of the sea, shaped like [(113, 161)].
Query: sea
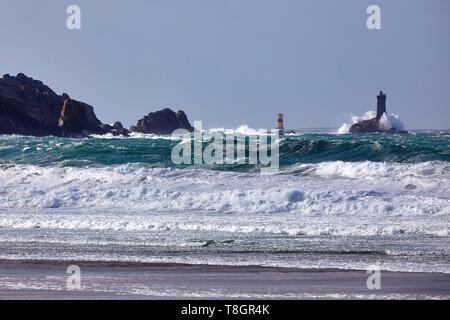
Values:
[(338, 201)]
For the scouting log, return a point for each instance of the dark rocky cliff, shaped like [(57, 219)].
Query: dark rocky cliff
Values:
[(29, 107)]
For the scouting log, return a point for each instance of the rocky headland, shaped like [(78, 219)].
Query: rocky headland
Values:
[(29, 107)]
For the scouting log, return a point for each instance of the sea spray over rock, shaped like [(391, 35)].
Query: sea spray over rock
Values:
[(375, 122), (391, 122), (386, 122)]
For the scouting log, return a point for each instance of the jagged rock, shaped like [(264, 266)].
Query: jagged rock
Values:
[(366, 126), (29, 107), (117, 128), (117, 125), (162, 122)]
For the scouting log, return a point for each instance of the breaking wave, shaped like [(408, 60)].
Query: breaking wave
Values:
[(244, 130), (328, 188)]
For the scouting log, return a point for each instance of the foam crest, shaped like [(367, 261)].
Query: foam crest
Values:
[(361, 188), (201, 223)]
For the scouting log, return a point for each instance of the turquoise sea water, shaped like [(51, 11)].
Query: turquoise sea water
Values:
[(155, 151)]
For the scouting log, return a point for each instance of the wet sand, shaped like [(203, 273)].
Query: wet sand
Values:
[(48, 280)]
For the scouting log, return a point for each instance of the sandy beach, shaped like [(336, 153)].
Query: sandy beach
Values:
[(48, 280)]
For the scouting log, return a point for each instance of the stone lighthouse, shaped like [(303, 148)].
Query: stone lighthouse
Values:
[(381, 105)]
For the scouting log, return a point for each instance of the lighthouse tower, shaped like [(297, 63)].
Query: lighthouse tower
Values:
[(280, 124), (381, 105)]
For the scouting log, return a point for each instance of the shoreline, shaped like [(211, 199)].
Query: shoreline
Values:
[(176, 265), (44, 279)]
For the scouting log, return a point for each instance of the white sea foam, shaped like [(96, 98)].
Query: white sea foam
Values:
[(241, 130), (391, 122), (134, 135), (132, 206), (329, 188), (244, 130), (176, 222)]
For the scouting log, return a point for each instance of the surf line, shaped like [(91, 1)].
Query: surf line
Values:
[(227, 148)]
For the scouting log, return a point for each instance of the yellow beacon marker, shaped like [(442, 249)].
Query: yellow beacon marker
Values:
[(280, 124)]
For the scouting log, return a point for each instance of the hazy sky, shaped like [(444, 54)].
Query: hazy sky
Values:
[(234, 62)]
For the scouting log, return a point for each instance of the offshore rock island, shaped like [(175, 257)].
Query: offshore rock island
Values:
[(165, 121), (29, 107), (375, 125)]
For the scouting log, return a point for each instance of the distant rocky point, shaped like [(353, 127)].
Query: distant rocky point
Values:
[(28, 107), (373, 125), (165, 121)]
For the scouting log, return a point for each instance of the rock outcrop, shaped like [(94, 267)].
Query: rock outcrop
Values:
[(29, 107), (162, 122), (373, 125), (366, 126), (117, 128)]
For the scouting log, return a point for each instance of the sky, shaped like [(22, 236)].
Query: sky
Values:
[(234, 62)]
